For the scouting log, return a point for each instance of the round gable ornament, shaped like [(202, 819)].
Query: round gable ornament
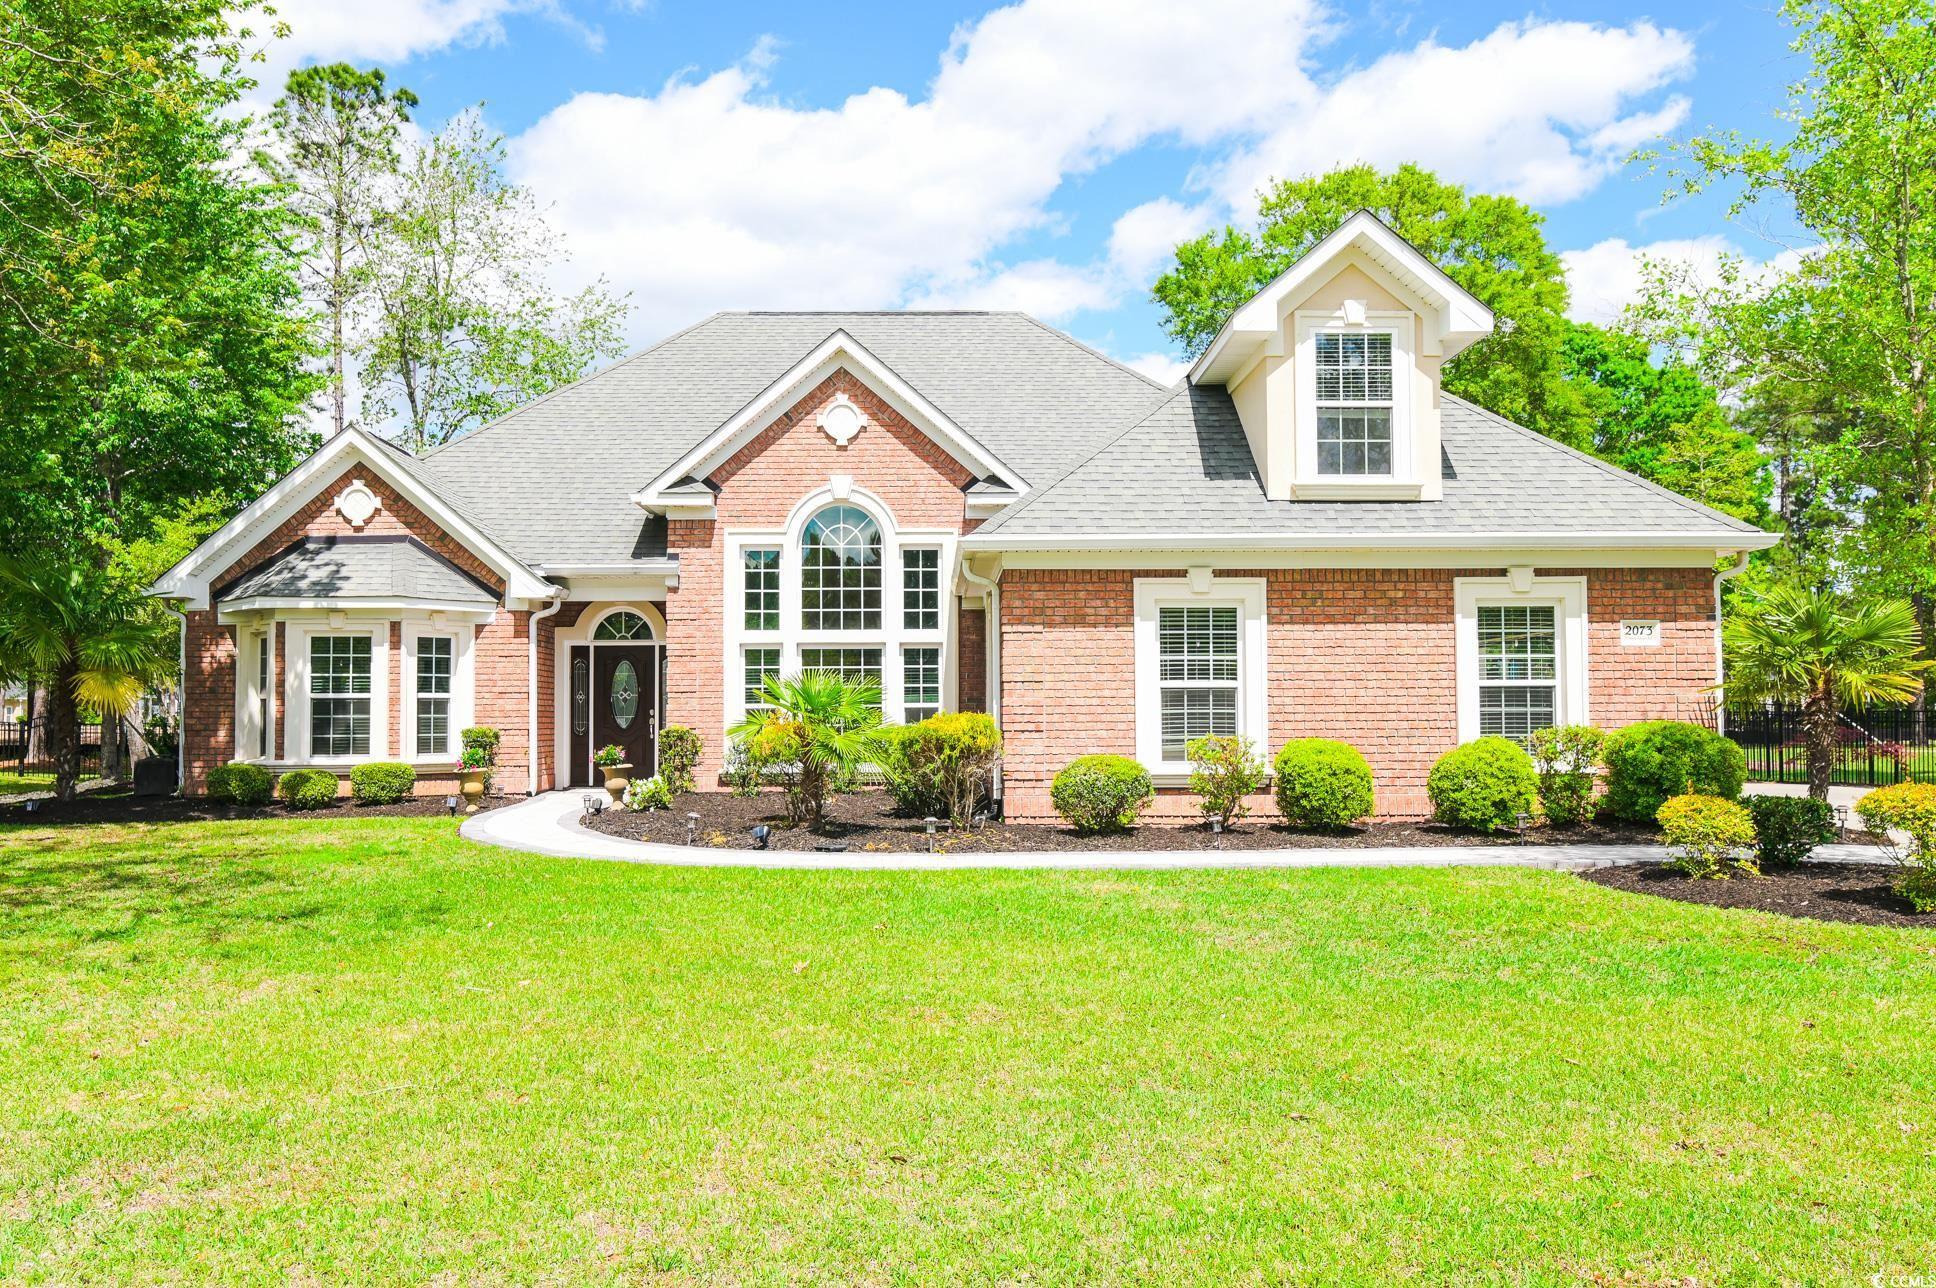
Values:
[(357, 504), (841, 420)]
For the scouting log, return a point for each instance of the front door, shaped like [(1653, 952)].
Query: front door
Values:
[(625, 701)]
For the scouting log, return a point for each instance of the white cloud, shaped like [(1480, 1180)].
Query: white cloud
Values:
[(1605, 277), (1141, 242), (1160, 367)]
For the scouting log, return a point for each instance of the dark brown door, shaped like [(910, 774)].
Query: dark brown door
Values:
[(625, 701)]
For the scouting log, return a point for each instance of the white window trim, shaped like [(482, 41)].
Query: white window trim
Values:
[(296, 695), (248, 695), (893, 634), (1406, 479), (1567, 596), (581, 632), (463, 689), (1248, 595)]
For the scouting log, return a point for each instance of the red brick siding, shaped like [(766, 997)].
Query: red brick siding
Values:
[(1367, 656), (566, 616), (759, 488), (971, 665)]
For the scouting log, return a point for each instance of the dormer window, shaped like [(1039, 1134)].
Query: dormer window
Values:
[(1354, 403)]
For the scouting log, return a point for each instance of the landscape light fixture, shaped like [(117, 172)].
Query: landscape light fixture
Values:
[(692, 829), (593, 802), (931, 822), (761, 833), (450, 803)]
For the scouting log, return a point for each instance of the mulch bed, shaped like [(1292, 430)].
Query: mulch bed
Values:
[(1856, 892), (110, 805), (866, 821)]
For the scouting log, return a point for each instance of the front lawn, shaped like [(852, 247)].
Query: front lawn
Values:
[(12, 783), (364, 1051)]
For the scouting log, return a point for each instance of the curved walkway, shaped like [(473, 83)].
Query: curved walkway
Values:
[(548, 824)]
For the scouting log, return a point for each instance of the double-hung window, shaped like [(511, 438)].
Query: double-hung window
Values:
[(1355, 404), (436, 656), (1518, 669), (760, 665), (339, 695), (1196, 674), (1199, 666), (920, 683)]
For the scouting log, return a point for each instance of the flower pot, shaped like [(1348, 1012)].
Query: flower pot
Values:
[(616, 777), (472, 781)]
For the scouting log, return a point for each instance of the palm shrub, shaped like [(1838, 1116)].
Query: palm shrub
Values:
[(1323, 783), (1565, 757), (243, 783), (945, 762), (1909, 808), (1486, 784), (1101, 793), (1224, 773), (1651, 761), (814, 736), (1708, 836), (1826, 652), (307, 788), (382, 782), (1788, 827), (679, 750)]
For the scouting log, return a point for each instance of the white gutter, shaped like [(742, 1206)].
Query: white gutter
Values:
[(1720, 667), (991, 654), (1263, 542), (532, 685)]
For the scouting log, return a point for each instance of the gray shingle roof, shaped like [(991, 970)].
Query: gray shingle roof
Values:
[(358, 568), (553, 480), (1185, 468)]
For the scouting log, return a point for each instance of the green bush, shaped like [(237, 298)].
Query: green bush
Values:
[(679, 749), (483, 737), (944, 765), (648, 793), (242, 783), (1565, 758), (1708, 835), (307, 788), (1788, 827), (382, 782), (1101, 793), (742, 771), (916, 793), (1224, 773), (1322, 783), (1651, 761), (1909, 808), (1486, 784)]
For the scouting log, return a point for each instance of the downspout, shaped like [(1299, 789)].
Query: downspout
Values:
[(991, 653), (531, 684), (181, 707), (1720, 672)]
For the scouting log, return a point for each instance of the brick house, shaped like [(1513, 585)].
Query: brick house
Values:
[(1305, 536)]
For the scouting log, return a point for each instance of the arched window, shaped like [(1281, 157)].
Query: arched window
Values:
[(623, 626), (840, 571)]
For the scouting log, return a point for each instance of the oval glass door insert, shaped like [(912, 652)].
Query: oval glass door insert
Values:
[(625, 695)]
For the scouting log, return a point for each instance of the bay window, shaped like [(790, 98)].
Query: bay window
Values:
[(339, 695), (436, 659)]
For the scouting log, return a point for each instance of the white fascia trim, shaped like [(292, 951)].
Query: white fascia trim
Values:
[(1459, 314), (1248, 594), (1477, 542), (630, 568), (229, 609), (1568, 597), (838, 351), (189, 579)]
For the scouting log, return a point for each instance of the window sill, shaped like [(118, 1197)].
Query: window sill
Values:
[(1348, 490)]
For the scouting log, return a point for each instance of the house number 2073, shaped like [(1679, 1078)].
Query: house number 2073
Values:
[(1640, 634)]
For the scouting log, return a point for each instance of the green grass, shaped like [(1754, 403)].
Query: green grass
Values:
[(13, 783), (365, 1051)]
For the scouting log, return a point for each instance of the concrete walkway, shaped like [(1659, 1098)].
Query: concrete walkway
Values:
[(548, 824)]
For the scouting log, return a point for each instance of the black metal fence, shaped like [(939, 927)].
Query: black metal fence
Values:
[(1873, 748), (28, 748)]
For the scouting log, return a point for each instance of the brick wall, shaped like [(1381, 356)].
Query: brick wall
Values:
[(759, 488), (971, 678), (1366, 656)]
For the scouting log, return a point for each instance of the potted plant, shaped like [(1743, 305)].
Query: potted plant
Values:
[(611, 759), (472, 769)]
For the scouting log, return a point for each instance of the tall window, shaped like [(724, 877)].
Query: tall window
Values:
[(1196, 674), (921, 589), (434, 656), (840, 571), (761, 663), (1518, 669), (762, 572), (920, 683), (339, 695), (1354, 400), (262, 672)]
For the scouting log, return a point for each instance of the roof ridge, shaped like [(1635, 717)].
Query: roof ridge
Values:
[(1036, 494), (1608, 467)]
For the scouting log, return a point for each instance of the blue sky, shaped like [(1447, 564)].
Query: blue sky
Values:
[(1044, 155)]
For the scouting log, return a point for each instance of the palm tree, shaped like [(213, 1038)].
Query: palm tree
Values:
[(91, 641), (817, 730), (1826, 652)]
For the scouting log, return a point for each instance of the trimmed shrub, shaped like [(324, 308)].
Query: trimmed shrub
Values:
[(954, 754), (679, 750), (1224, 772), (1788, 827), (1565, 758), (1323, 783), (742, 771), (307, 788), (1656, 759), (481, 736), (1708, 835), (648, 793), (1910, 808), (242, 783), (382, 782), (1101, 793), (1486, 784), (916, 793)]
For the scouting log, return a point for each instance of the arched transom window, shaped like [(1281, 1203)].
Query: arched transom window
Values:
[(840, 571), (623, 626)]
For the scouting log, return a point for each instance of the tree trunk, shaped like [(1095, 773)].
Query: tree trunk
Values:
[(114, 759), (36, 753), (64, 731), (1818, 725)]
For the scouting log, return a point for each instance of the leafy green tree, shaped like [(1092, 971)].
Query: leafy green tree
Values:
[(1826, 652), (466, 326), (818, 730), (1493, 246), (337, 128)]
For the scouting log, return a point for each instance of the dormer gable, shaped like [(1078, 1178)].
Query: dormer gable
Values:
[(1334, 367)]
